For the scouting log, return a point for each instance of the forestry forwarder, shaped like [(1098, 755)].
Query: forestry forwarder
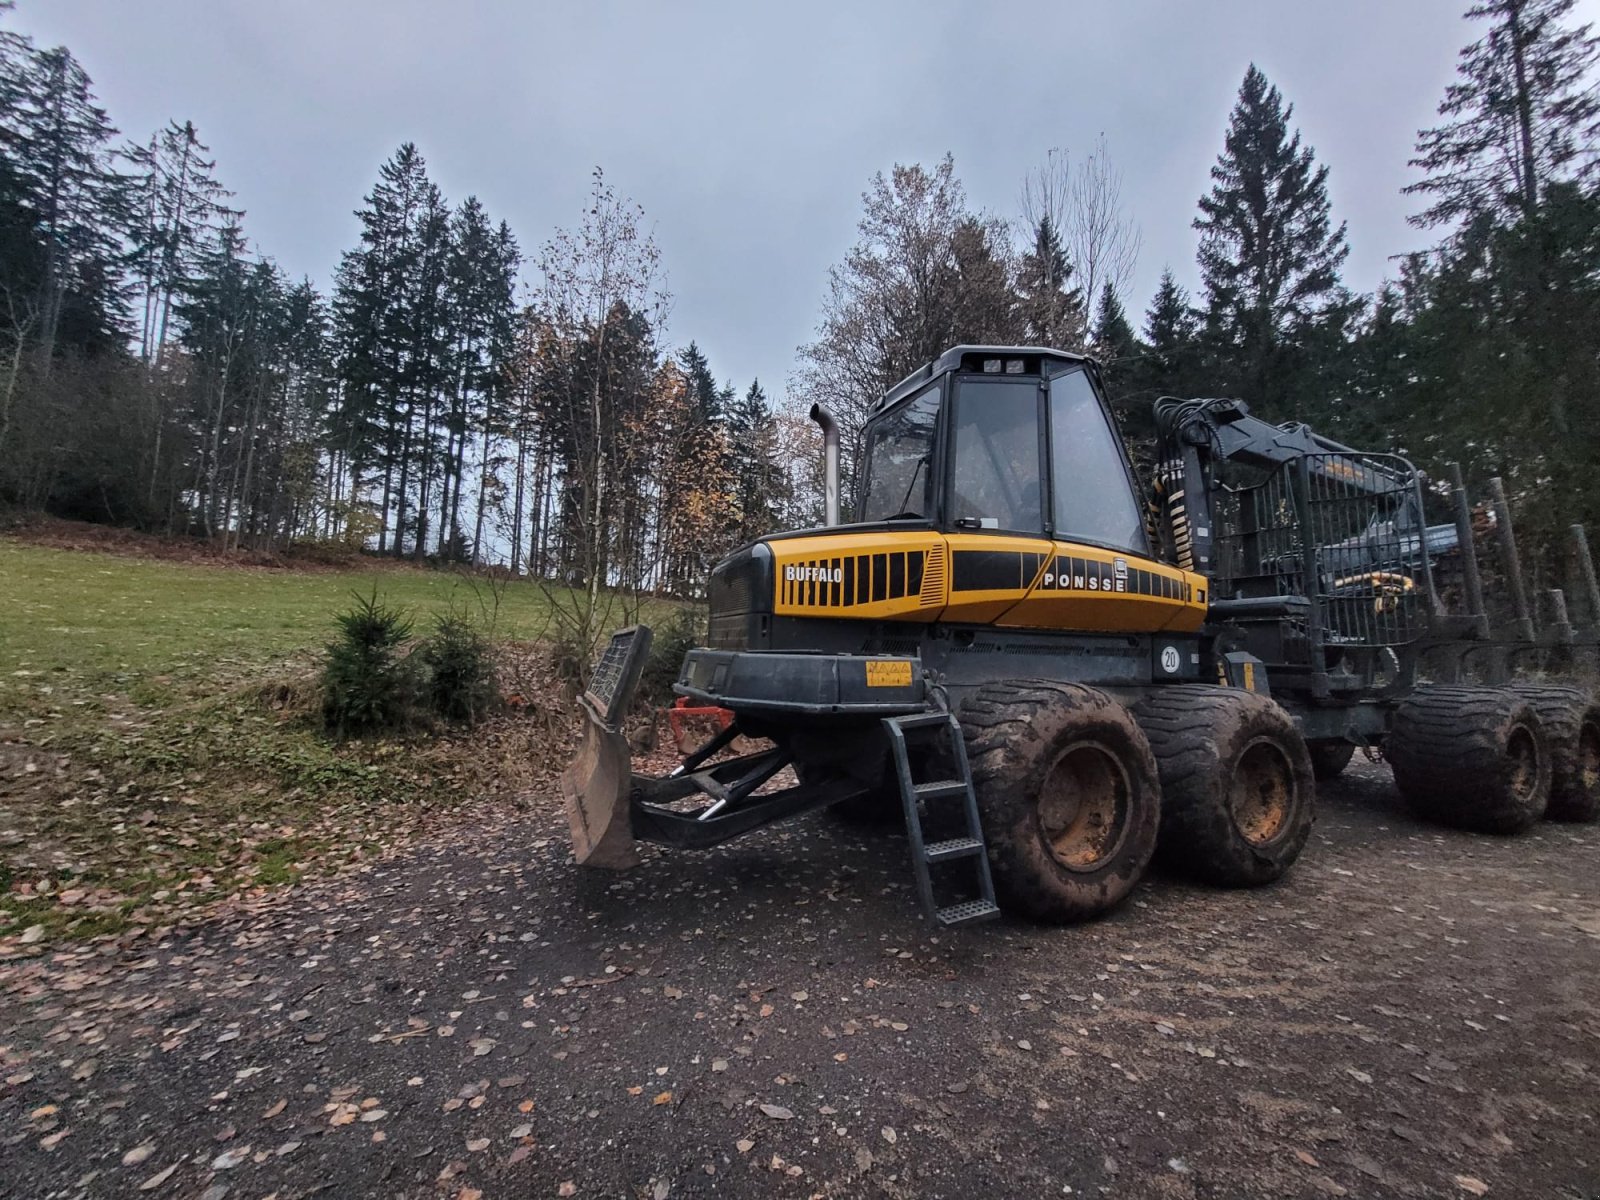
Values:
[(1044, 672)]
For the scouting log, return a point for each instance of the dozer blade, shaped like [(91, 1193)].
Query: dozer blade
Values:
[(597, 785)]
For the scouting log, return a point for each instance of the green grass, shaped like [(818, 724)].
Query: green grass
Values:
[(158, 740), (88, 626)]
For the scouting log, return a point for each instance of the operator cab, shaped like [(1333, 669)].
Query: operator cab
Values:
[(1001, 440)]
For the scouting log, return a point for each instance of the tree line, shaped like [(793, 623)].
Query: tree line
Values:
[(1484, 349), (437, 403), (456, 397)]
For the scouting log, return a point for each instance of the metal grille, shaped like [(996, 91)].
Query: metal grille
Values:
[(1344, 531), (615, 676)]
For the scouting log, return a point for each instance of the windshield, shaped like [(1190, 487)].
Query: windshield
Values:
[(899, 461), (1094, 498), (995, 482)]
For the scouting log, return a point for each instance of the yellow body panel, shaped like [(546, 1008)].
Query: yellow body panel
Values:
[(1087, 588), (884, 575), (983, 578)]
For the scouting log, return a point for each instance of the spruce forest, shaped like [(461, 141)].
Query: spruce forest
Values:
[(466, 392)]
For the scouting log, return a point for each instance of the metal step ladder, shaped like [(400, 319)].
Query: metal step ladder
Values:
[(968, 845)]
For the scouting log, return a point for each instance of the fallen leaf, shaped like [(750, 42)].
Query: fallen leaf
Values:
[(767, 1010), (374, 1114), (275, 1109), (521, 1131), (1358, 1076), (745, 1145), (230, 1159), (719, 1064), (799, 997), (568, 1188), (777, 1112), (1472, 1184), (51, 1140), (1306, 1158), (138, 1154), (160, 1177), (662, 1098), (477, 1144), (525, 1107), (889, 1135)]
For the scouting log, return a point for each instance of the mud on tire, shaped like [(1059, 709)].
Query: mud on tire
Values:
[(1237, 792), (1329, 759), (1571, 720), (1067, 792), (1471, 757)]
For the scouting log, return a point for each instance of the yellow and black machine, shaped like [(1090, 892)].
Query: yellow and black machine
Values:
[(1051, 677)]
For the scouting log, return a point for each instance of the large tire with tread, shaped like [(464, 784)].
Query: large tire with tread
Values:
[(1471, 757), (1067, 792), (1238, 793), (1571, 720)]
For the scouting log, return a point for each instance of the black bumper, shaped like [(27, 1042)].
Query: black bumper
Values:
[(808, 684)]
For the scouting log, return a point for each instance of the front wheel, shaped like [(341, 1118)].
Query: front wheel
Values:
[(1237, 791), (1067, 792)]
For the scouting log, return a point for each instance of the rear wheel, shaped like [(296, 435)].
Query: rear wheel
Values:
[(1471, 757), (1571, 721), (1329, 759), (1067, 792), (1237, 792)]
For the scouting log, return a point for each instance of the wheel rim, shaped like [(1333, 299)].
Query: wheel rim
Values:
[(1084, 806), (1589, 757), (1263, 792), (1523, 751)]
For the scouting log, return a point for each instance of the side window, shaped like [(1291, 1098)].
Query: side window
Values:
[(1094, 497), (996, 481), (899, 461)]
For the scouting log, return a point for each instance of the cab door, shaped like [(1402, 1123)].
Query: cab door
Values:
[(994, 510)]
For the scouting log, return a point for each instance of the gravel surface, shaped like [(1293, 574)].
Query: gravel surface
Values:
[(1413, 1012)]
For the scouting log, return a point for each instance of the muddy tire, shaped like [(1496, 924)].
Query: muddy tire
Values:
[(1471, 757), (1329, 759), (1238, 795), (1571, 720), (1068, 796)]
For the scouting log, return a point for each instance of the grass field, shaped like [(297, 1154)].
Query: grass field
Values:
[(158, 741)]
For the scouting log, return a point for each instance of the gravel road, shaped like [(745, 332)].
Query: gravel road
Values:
[(1413, 1012)]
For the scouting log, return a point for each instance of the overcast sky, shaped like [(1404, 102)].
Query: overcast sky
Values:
[(748, 131)]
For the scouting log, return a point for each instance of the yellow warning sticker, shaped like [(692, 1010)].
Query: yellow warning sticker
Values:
[(889, 674)]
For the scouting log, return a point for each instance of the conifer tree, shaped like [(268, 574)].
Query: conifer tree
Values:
[(1523, 113), (1171, 337), (58, 142), (1051, 306), (1269, 255)]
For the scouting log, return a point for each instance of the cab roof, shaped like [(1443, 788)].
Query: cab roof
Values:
[(959, 358)]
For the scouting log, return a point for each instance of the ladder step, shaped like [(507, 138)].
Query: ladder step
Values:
[(940, 789), (960, 847), (933, 720), (968, 912)]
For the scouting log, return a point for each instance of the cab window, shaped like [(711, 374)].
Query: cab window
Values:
[(899, 461), (996, 481), (1094, 499)]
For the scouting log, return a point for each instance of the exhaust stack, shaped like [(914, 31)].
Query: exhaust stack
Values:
[(830, 463)]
